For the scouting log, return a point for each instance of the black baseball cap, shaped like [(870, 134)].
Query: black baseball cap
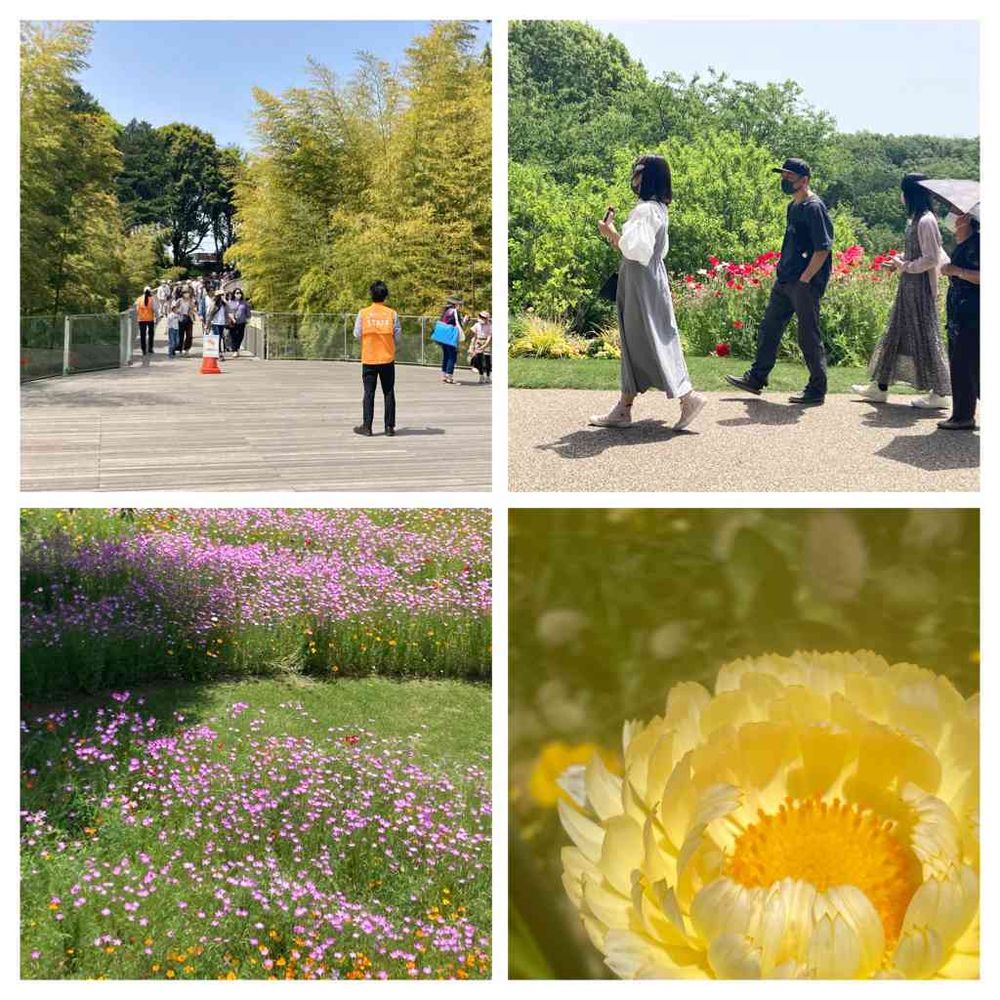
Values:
[(795, 166)]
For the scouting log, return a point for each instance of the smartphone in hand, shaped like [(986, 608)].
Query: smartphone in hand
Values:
[(609, 215)]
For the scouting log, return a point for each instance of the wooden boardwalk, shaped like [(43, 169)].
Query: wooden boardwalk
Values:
[(261, 425)]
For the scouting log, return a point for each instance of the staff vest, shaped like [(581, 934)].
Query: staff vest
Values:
[(378, 342), (144, 314)]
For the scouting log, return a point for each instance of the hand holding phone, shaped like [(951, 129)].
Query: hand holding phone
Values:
[(609, 215)]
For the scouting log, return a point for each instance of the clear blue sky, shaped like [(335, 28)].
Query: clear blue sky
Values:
[(901, 77), (137, 68)]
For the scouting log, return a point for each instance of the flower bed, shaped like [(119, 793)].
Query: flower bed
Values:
[(198, 593), (725, 302), (250, 843)]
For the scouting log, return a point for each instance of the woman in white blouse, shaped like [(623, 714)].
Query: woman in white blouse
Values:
[(652, 357), (911, 350)]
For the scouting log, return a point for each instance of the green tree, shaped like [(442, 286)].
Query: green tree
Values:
[(68, 163)]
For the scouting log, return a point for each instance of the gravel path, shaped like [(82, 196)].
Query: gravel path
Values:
[(738, 442)]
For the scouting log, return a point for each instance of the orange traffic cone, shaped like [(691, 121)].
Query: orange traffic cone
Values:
[(210, 355)]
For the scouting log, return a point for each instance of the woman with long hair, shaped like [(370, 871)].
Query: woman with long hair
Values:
[(910, 350), (239, 315), (652, 357), (145, 314)]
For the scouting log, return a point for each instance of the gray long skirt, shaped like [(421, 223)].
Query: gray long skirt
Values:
[(652, 357), (910, 350)]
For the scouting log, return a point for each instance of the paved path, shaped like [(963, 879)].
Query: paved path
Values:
[(261, 425), (739, 442)]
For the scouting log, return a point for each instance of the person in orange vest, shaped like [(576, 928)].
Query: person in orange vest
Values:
[(379, 331), (146, 318)]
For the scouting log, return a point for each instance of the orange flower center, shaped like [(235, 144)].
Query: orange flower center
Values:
[(828, 844)]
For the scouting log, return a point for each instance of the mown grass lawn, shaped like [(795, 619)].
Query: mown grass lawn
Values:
[(706, 373), (280, 828)]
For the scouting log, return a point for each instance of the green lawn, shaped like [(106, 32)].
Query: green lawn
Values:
[(706, 373), (254, 829)]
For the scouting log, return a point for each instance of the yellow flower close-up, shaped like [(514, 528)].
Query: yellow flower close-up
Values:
[(815, 817)]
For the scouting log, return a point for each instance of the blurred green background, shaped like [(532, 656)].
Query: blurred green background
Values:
[(608, 608)]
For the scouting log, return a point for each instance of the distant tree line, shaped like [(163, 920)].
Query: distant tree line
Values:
[(581, 108)]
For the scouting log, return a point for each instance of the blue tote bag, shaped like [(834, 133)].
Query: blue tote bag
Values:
[(444, 333)]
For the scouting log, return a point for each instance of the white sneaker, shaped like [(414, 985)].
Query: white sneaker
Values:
[(620, 416), (932, 401), (871, 392), (691, 405)]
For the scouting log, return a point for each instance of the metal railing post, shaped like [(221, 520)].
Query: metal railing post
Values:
[(67, 342), (345, 355), (423, 337)]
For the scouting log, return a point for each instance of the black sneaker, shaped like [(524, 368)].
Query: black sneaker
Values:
[(808, 399), (363, 430), (390, 432), (745, 383)]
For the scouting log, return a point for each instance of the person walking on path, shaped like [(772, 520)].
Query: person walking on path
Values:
[(186, 327), (962, 311), (217, 317), (173, 325), (145, 314), (379, 330), (651, 353), (239, 314), (910, 350), (162, 299), (480, 347), (451, 317), (801, 279)]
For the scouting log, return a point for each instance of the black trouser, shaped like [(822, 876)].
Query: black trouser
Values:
[(963, 357), (146, 333), (788, 299), (185, 333), (386, 374), (236, 336), (483, 363)]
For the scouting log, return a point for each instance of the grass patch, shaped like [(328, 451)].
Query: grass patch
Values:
[(706, 373), (290, 829)]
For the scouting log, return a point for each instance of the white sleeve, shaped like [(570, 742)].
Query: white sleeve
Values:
[(929, 238), (638, 235)]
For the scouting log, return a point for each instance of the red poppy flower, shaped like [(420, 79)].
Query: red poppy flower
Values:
[(737, 324), (722, 349), (714, 261), (352, 740)]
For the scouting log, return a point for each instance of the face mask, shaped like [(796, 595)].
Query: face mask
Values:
[(787, 186), (949, 222)]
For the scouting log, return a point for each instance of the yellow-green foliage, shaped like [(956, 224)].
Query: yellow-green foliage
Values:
[(387, 176), (545, 338)]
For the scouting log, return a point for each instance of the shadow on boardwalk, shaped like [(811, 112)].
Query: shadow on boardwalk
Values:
[(274, 425)]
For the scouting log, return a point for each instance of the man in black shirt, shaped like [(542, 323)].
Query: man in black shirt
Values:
[(801, 278)]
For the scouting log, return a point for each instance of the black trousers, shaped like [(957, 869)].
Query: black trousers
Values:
[(186, 328), (963, 357), (236, 336), (386, 374), (146, 337), (788, 299)]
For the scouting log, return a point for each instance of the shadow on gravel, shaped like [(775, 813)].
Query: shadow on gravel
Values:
[(896, 415), (935, 452), (418, 431), (762, 411), (596, 440)]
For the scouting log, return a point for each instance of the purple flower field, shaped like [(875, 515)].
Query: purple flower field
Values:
[(109, 600), (248, 745), (176, 847)]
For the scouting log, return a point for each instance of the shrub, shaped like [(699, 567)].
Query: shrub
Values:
[(606, 343), (537, 337)]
